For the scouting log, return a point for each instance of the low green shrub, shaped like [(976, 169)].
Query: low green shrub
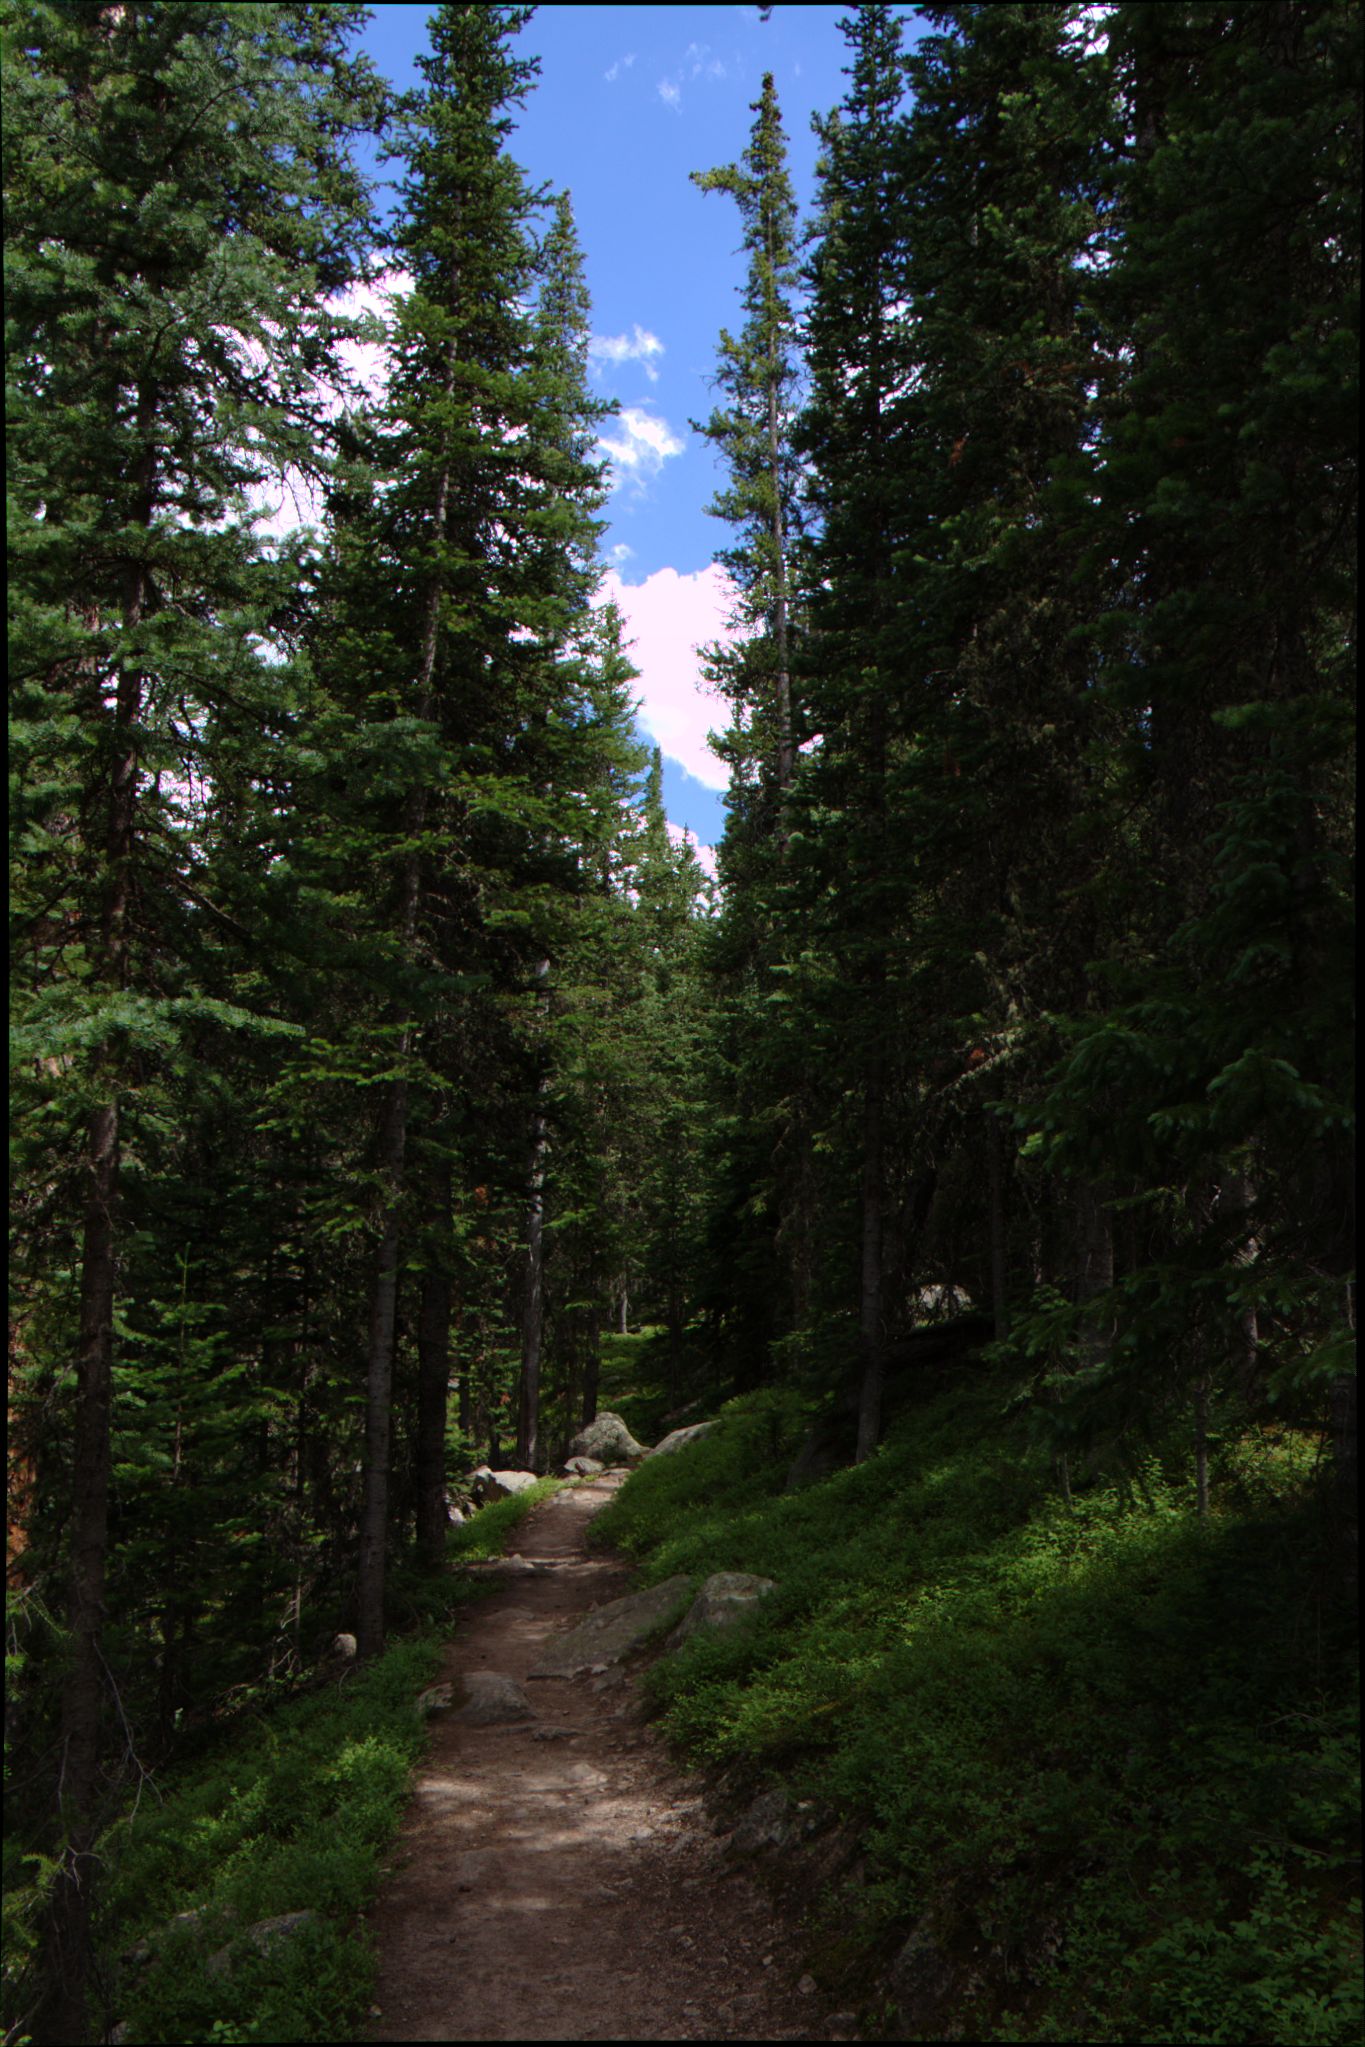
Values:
[(291, 1812), (1103, 1744)]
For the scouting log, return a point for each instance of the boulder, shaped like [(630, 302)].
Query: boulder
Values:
[(726, 1597), (344, 1647), (679, 1438), (609, 1440), (486, 1485), (612, 1631), (492, 1700), (264, 1935), (582, 1467), (435, 1699)]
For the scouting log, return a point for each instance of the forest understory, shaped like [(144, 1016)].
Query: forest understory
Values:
[(977, 1150)]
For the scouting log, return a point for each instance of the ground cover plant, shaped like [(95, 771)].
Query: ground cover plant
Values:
[(1104, 1752), (289, 1809)]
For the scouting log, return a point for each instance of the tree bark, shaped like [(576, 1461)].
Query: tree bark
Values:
[(592, 1367), (69, 1954), (433, 1385), (533, 1306), (995, 1167), (392, 1146), (871, 1331)]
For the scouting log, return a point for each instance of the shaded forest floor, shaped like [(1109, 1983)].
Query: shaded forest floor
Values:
[(558, 1878)]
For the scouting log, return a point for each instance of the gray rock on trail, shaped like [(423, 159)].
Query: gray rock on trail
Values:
[(725, 1598), (515, 1566), (609, 1440), (492, 1700), (680, 1438), (582, 1467), (612, 1631), (486, 1485)]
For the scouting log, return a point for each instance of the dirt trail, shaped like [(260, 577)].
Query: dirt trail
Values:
[(559, 1879)]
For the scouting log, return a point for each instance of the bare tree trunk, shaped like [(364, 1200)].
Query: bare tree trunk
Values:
[(69, 1955), (1201, 1446), (1094, 1255), (872, 1343), (533, 1306), (995, 1167), (786, 750), (433, 1385), (374, 1520), (592, 1367), (1235, 1198), (392, 1146)]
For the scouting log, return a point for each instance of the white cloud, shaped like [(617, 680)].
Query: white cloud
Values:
[(622, 551), (621, 64), (668, 617), (670, 94), (638, 346), (706, 855), (638, 446), (291, 500)]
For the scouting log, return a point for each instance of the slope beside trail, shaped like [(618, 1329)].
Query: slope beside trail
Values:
[(558, 1878)]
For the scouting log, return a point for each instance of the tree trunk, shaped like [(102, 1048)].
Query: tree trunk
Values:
[(374, 1521), (786, 750), (872, 1341), (995, 1167), (533, 1306), (68, 1944), (592, 1367), (392, 1146), (433, 1384)]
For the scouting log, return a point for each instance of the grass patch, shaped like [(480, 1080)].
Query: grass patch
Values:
[(1105, 1753)]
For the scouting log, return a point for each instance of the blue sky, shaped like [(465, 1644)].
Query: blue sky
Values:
[(630, 99)]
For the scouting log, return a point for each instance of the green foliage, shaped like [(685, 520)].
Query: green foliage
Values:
[(292, 1813), (1106, 1744), (485, 1533)]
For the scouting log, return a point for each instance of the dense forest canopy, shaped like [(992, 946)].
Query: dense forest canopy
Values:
[(376, 1046)]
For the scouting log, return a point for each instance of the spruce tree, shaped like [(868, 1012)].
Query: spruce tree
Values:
[(179, 201)]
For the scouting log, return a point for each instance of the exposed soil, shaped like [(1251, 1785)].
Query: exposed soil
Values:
[(560, 1879)]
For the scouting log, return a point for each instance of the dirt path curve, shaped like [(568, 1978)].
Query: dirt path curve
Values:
[(559, 1879)]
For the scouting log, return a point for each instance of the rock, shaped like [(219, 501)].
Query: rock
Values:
[(771, 1822), (582, 1467), (938, 1303), (609, 1440), (830, 1444), (486, 1485), (491, 1700), (265, 1934), (681, 1437), (343, 1646), (435, 1699), (726, 1597), (921, 1980), (612, 1631), (515, 1566)]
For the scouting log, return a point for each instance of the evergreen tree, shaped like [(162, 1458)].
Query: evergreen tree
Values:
[(179, 201), (857, 364)]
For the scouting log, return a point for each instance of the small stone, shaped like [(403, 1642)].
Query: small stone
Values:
[(806, 1987)]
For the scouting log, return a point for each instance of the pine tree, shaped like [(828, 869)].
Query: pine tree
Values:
[(179, 200), (857, 366)]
